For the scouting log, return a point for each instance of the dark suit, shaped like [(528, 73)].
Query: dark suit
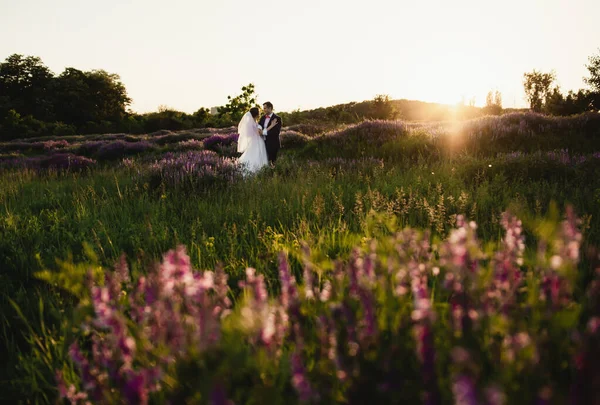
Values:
[(272, 141)]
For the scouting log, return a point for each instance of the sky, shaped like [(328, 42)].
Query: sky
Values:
[(187, 54)]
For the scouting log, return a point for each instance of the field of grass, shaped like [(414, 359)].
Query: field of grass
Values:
[(68, 205)]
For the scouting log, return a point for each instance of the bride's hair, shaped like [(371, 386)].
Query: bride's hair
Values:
[(254, 112)]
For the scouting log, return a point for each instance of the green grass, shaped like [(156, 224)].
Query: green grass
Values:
[(48, 217)]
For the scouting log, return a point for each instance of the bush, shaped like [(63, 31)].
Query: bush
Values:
[(167, 119), (90, 148), (174, 138), (64, 162), (52, 145), (160, 133), (60, 129), (292, 139), (368, 139), (21, 146), (193, 171), (102, 127), (526, 132), (133, 138), (112, 137), (310, 130), (192, 144), (220, 140), (119, 149)]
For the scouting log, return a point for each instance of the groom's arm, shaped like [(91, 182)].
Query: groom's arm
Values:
[(277, 128)]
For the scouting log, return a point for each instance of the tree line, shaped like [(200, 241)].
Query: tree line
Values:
[(544, 96), (36, 102)]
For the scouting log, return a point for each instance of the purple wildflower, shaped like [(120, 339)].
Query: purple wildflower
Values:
[(506, 264), (300, 379), (194, 170), (463, 388), (221, 140)]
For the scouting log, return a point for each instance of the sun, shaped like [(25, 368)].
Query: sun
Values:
[(455, 78)]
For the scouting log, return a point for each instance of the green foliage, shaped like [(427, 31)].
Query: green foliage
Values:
[(74, 278), (167, 118), (493, 103), (574, 103), (237, 106), (34, 102), (95, 102), (537, 87), (48, 217), (594, 80), (383, 108), (594, 70), (81, 97), (25, 86), (202, 116), (555, 102)]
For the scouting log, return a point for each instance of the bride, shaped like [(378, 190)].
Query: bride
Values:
[(250, 142)]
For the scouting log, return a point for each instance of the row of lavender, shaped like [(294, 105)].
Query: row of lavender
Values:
[(377, 139), (493, 128), (64, 156), (403, 321), (488, 136), (86, 144), (199, 170), (109, 148)]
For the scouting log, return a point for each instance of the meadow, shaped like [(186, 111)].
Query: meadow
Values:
[(386, 261)]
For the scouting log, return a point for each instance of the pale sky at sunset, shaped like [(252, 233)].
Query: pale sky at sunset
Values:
[(303, 54)]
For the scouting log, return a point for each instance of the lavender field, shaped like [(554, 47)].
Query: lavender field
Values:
[(381, 262)]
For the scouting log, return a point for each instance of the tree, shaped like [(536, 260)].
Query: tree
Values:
[(555, 103), (498, 99), (493, 103), (167, 118), (382, 108), (237, 106), (574, 103), (73, 102), (25, 87), (85, 98), (201, 117), (489, 99), (537, 86), (82, 99), (594, 80), (108, 95), (594, 68)]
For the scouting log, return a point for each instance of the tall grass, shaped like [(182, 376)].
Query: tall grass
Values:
[(321, 194)]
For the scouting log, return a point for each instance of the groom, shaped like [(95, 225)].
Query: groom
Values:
[(271, 136)]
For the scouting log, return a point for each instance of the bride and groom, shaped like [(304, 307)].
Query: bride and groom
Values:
[(259, 141)]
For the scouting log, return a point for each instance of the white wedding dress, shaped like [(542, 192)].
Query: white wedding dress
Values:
[(251, 145)]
